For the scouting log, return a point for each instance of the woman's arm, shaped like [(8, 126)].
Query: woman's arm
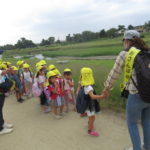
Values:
[(116, 70)]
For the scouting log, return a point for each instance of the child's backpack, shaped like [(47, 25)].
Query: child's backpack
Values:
[(82, 101), (36, 91), (7, 85)]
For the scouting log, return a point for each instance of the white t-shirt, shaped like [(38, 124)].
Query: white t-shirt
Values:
[(41, 79), (27, 76), (87, 89)]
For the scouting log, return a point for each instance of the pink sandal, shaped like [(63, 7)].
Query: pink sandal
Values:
[(93, 133)]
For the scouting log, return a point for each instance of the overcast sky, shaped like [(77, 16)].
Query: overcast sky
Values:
[(37, 19)]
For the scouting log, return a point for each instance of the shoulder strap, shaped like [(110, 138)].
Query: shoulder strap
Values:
[(128, 68)]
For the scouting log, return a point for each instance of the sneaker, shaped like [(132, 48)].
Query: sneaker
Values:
[(5, 131), (83, 115), (93, 133), (58, 117), (19, 100), (142, 146), (47, 110), (8, 126), (22, 99)]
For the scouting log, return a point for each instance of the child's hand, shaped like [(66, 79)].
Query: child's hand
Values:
[(105, 94)]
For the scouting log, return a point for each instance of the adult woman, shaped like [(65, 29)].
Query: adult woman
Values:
[(137, 109)]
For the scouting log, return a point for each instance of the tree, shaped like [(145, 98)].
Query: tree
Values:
[(68, 38), (130, 27), (51, 40), (112, 32), (44, 42), (102, 33), (121, 27), (24, 43), (147, 26)]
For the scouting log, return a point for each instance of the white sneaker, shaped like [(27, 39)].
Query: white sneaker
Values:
[(8, 126), (58, 117), (5, 131)]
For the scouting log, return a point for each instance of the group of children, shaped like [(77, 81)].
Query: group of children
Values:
[(54, 90)]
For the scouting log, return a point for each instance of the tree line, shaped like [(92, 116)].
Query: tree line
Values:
[(75, 38)]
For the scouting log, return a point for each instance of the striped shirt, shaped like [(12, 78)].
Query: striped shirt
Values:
[(117, 70)]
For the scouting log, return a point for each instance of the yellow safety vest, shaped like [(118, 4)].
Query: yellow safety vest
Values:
[(128, 68)]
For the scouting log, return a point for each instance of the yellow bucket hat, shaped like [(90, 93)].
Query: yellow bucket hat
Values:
[(20, 62), (57, 72), (14, 68), (38, 68), (50, 74), (3, 66), (42, 62), (67, 70), (51, 67), (87, 77), (26, 66)]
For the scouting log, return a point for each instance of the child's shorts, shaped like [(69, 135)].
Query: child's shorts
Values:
[(59, 101), (90, 113)]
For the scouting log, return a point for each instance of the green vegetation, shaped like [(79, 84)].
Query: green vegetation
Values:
[(105, 46)]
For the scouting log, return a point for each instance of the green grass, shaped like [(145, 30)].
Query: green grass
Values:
[(98, 47)]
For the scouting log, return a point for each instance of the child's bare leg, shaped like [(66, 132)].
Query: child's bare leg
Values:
[(91, 123), (61, 109), (55, 110)]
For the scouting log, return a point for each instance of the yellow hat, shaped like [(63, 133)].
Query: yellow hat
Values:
[(14, 68), (38, 64), (26, 66), (50, 74), (38, 68), (87, 77), (42, 62), (67, 70), (9, 63), (51, 67), (57, 72), (20, 62), (3, 66)]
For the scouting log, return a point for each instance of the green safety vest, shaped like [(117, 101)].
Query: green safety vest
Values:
[(128, 68)]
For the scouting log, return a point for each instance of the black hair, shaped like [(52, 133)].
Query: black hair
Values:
[(68, 73)]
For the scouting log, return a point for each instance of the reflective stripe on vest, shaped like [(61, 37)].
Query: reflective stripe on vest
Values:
[(128, 68)]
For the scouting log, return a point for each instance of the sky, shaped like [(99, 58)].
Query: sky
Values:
[(38, 19)]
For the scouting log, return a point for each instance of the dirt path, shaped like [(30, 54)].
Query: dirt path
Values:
[(37, 131)]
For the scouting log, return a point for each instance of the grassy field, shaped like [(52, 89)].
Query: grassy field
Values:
[(94, 48)]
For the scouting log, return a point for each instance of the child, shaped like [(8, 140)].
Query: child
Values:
[(27, 78), (56, 94), (20, 64), (18, 88), (60, 83), (69, 95), (87, 82), (41, 80)]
